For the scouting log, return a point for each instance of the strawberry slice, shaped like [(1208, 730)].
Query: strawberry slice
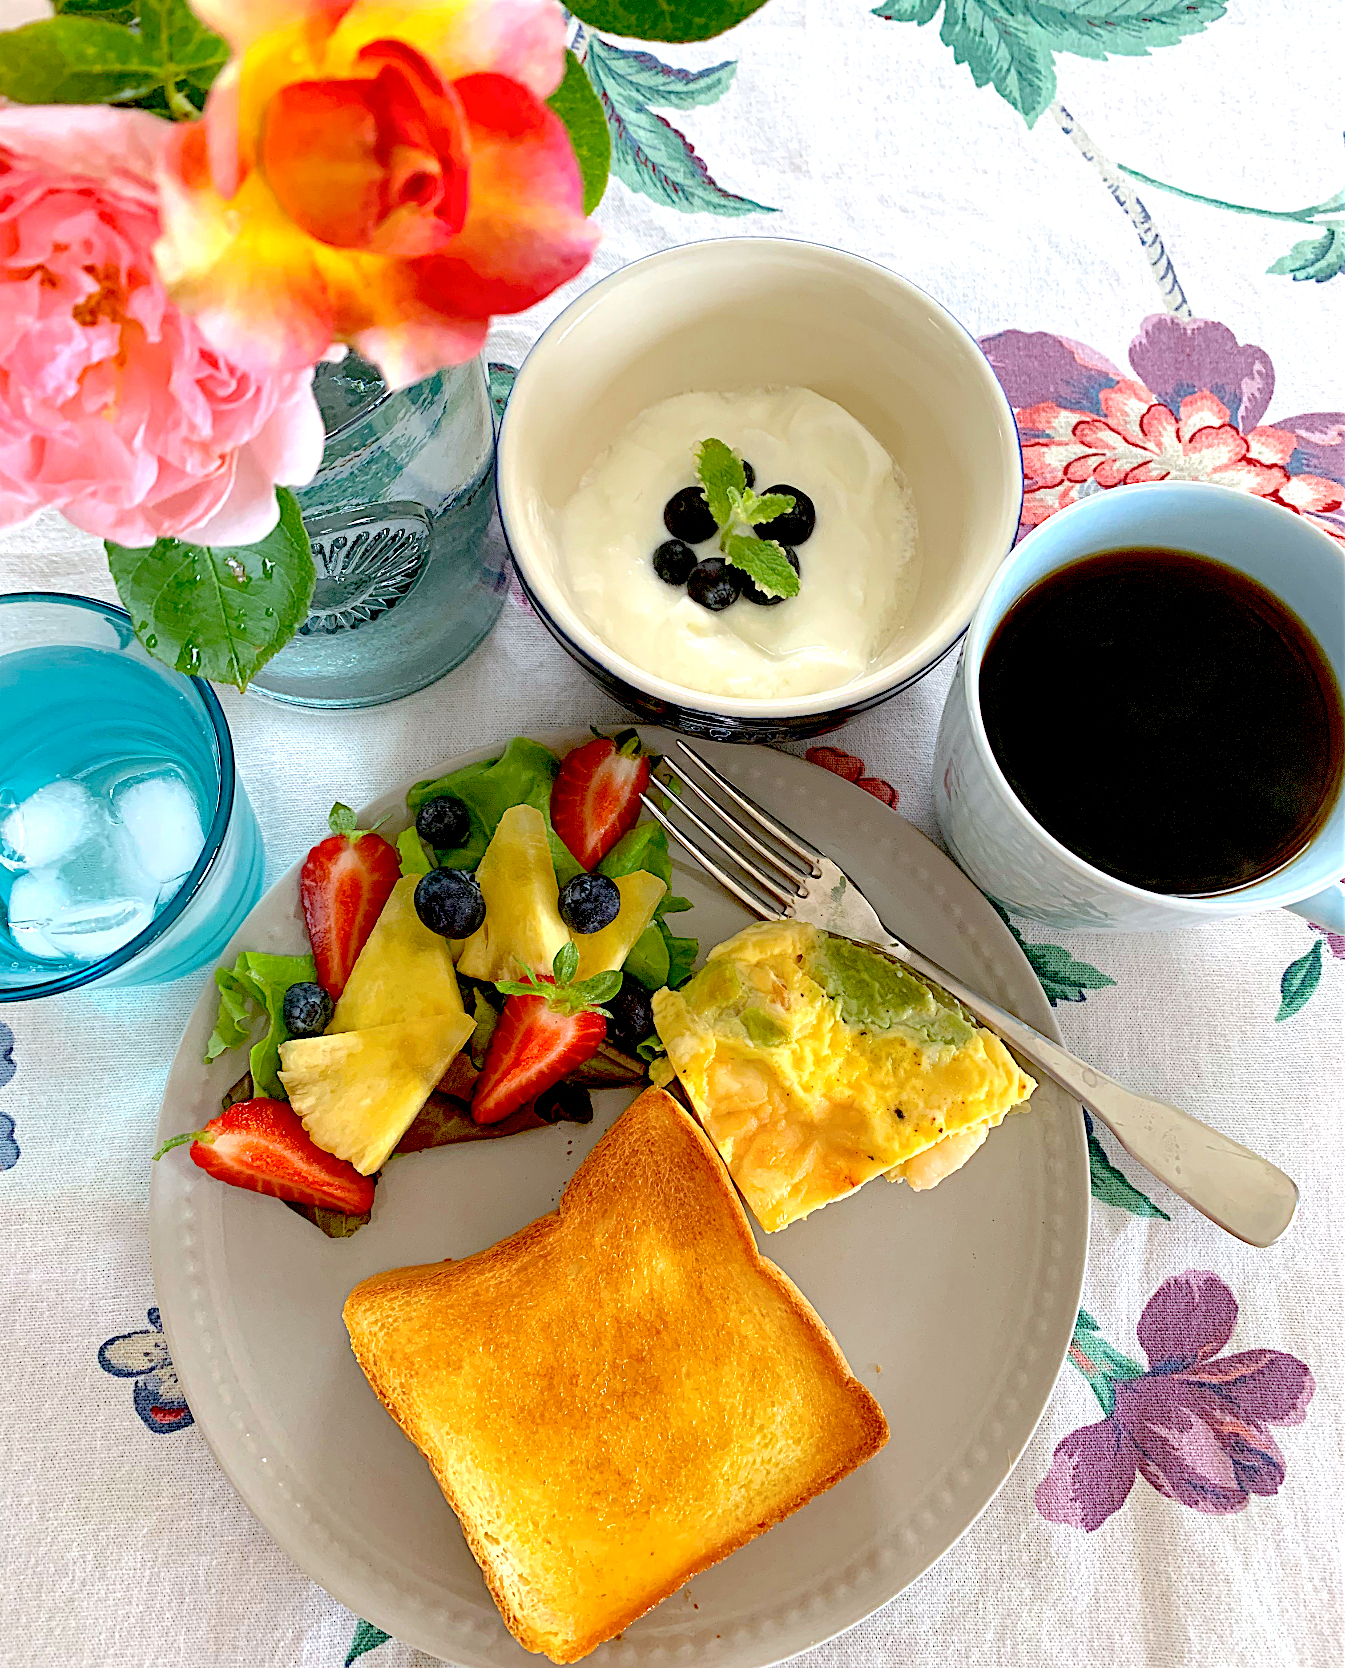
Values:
[(533, 1047), (343, 886), (261, 1145), (548, 1026), (595, 798)]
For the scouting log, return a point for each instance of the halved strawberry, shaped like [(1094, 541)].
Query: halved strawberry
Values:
[(261, 1145), (595, 798), (343, 886), (548, 1026)]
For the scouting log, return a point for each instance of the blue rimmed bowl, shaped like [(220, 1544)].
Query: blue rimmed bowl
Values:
[(742, 313)]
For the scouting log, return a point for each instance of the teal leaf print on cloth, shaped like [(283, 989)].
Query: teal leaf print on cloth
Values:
[(649, 154), (1314, 260), (1063, 979), (1011, 44), (367, 1638), (1108, 1185), (501, 378), (1193, 1423), (1301, 978)]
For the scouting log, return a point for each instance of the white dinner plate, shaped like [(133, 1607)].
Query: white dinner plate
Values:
[(954, 1307)]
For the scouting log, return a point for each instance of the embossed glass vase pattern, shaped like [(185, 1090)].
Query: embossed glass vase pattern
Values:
[(411, 567)]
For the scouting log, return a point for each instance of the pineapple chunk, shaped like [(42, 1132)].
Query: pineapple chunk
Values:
[(404, 972), (605, 951), (523, 925), (358, 1092)]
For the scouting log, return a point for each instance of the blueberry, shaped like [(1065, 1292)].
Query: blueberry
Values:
[(673, 561), (589, 903), (630, 1014), (755, 593), (565, 1103), (714, 584), (306, 1010), (749, 474), (687, 516), (795, 525), (443, 822), (450, 903)]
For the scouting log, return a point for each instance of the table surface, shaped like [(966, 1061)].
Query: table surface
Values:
[(1190, 1517)]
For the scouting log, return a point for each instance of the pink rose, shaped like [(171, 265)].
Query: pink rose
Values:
[(113, 406)]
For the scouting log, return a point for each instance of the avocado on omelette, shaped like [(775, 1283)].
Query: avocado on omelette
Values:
[(816, 1063)]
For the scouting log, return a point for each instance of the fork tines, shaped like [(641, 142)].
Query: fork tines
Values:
[(793, 859)]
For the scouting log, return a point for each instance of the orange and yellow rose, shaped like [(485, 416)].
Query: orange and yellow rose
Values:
[(380, 173)]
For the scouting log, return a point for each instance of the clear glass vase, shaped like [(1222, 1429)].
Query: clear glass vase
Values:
[(411, 563)]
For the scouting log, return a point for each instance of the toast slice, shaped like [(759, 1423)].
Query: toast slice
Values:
[(620, 1394)]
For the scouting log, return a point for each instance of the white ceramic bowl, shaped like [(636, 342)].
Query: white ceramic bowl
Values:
[(742, 313)]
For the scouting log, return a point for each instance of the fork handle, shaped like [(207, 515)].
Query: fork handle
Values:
[(1240, 1191)]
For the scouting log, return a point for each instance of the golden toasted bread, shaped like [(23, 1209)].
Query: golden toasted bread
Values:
[(618, 1395)]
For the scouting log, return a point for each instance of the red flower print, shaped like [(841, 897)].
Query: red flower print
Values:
[(1193, 1425), (852, 769), (1192, 412)]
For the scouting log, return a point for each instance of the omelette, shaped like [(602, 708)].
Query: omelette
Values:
[(815, 1064)]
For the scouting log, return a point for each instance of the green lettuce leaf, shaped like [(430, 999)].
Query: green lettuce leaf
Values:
[(252, 989), (522, 775), (648, 960), (411, 850), (643, 847)]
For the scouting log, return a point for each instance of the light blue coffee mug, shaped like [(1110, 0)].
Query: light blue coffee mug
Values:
[(989, 832)]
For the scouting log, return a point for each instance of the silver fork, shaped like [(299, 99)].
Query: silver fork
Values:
[(781, 874)]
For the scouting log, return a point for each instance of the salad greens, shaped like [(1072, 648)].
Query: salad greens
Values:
[(253, 988), (657, 957), (522, 775), (416, 860)]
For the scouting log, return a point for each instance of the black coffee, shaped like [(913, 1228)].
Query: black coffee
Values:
[(1166, 718)]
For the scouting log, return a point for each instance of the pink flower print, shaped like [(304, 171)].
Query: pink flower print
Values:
[(1193, 1425), (1192, 411), (852, 769)]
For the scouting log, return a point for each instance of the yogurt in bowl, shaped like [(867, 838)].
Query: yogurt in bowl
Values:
[(739, 320), (858, 568)]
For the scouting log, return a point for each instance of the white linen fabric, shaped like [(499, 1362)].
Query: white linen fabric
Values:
[(120, 1541)]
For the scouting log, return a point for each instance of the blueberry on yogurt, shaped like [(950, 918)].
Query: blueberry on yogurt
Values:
[(674, 561), (795, 525), (687, 516), (715, 584)]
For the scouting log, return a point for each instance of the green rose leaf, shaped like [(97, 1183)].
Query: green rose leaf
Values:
[(1300, 980), (217, 612), (665, 20), (1314, 260), (576, 103), (75, 60), (764, 562), (153, 53), (1062, 977)]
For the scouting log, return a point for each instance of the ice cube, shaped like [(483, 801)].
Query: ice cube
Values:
[(158, 811), (48, 825), (90, 905)]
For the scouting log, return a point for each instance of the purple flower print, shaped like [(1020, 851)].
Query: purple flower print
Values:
[(1192, 409), (1194, 1424)]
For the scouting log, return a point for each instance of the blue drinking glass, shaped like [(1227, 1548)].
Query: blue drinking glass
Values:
[(82, 706)]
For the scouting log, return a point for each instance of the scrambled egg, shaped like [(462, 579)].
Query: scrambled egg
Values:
[(815, 1064)]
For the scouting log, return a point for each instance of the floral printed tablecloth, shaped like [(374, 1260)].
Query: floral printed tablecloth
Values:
[(1135, 204)]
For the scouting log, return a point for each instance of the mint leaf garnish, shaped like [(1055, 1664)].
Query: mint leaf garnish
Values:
[(763, 561), (720, 473), (558, 990)]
